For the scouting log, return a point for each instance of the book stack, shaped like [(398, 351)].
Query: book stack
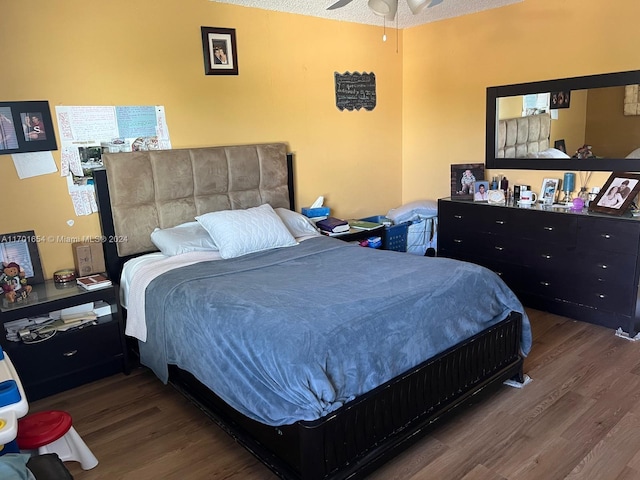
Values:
[(364, 224), (93, 282), (333, 226)]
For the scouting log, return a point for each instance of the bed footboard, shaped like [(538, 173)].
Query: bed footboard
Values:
[(368, 431)]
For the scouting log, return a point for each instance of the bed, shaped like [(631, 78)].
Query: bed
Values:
[(342, 413), (522, 136)]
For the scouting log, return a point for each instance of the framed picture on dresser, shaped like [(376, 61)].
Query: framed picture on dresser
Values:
[(548, 191), (617, 194), (463, 178)]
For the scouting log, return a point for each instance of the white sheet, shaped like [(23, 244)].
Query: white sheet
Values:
[(137, 276)]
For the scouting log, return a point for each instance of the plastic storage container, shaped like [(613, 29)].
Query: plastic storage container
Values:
[(395, 236)]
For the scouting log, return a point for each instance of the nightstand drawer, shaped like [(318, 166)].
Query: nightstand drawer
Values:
[(66, 352)]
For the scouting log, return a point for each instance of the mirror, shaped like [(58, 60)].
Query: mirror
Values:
[(602, 111)]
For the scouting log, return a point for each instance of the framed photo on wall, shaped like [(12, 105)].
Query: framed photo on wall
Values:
[(560, 99), (22, 248), (219, 50), (463, 178), (560, 145), (26, 127), (617, 194)]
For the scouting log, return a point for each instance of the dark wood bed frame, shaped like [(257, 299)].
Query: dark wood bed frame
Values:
[(364, 433)]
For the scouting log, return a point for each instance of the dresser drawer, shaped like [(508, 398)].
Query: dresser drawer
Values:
[(610, 297), (608, 234), (546, 227), (67, 352), (474, 218), (547, 257), (607, 266)]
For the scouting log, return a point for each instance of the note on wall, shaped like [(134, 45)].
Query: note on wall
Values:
[(88, 131), (355, 91)]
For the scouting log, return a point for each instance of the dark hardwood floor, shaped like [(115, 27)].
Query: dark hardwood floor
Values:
[(578, 419)]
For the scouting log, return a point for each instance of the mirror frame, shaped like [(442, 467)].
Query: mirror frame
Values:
[(574, 83)]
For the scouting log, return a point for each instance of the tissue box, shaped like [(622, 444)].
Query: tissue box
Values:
[(315, 212)]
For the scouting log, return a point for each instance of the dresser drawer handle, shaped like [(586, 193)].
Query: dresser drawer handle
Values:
[(549, 229), (606, 235), (499, 248), (601, 295), (500, 222), (459, 217), (70, 353), (604, 267), (456, 240), (545, 284), (546, 256)]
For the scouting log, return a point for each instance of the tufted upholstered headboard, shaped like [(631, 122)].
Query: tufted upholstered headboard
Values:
[(140, 191), (522, 135)]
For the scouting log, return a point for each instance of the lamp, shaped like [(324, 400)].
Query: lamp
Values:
[(415, 6), (384, 8)]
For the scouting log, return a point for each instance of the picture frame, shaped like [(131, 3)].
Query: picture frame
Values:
[(560, 99), (463, 177), (617, 194), (560, 145), (26, 127), (481, 191), (219, 50), (548, 191), (22, 248)]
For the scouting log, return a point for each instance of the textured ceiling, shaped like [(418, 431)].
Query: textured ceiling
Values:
[(358, 11)]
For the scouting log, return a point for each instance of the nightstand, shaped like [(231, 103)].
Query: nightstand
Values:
[(71, 358), (357, 235)]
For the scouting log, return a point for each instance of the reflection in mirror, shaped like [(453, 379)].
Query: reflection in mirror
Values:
[(582, 123)]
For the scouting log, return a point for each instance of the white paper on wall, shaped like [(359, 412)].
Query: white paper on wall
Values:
[(88, 131), (32, 164)]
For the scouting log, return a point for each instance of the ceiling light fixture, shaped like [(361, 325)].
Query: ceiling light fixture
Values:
[(416, 6), (384, 8)]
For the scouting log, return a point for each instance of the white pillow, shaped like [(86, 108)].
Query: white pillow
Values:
[(239, 232), (296, 223), (634, 154), (548, 153), (184, 238), (413, 211)]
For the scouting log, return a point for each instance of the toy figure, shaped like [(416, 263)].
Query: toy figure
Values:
[(13, 283)]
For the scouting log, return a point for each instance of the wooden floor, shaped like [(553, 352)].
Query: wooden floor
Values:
[(578, 419)]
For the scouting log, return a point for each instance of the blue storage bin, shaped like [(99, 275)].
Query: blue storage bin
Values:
[(395, 236)]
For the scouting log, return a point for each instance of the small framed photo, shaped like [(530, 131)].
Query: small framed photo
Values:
[(481, 191), (560, 145), (560, 99), (617, 194), (26, 127), (463, 178), (21, 248), (219, 50), (548, 191)]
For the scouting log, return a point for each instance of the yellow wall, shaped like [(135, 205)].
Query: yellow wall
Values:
[(448, 65), (431, 93), (149, 52), (619, 134)]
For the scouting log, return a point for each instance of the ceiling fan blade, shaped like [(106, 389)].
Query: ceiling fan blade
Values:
[(435, 2), (340, 4)]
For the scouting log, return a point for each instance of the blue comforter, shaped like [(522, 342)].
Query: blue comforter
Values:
[(293, 333)]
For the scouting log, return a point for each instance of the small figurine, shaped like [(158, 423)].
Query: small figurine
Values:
[(13, 283)]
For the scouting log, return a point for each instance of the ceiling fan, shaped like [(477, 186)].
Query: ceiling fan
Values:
[(388, 8)]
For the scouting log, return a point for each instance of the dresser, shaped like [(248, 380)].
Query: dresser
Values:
[(576, 264)]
